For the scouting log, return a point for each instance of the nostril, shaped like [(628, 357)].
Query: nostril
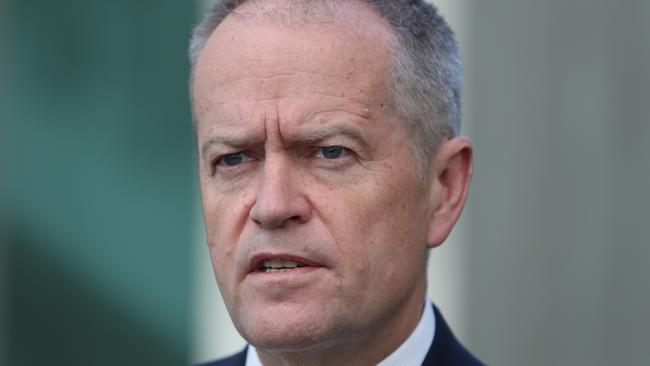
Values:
[(280, 215), (280, 199), (296, 218)]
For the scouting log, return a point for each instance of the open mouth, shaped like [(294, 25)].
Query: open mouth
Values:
[(280, 263), (279, 266)]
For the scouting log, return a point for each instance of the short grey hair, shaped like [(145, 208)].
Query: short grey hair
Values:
[(426, 71)]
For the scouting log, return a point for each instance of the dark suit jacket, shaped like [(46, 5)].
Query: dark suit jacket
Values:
[(444, 351)]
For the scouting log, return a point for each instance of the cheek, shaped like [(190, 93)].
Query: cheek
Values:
[(381, 224), (224, 212), (224, 215)]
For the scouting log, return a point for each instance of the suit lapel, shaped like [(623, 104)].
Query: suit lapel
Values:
[(445, 349)]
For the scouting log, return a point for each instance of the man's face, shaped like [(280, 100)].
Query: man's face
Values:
[(316, 216)]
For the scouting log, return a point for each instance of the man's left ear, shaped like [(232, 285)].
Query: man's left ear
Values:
[(451, 175)]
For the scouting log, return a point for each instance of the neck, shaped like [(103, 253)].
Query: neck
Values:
[(368, 349)]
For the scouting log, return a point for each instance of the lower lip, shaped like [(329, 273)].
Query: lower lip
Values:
[(293, 279)]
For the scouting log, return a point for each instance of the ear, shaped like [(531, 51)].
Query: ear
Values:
[(451, 171)]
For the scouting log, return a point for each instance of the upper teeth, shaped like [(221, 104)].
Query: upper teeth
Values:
[(280, 264)]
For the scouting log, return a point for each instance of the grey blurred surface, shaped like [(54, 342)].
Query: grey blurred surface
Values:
[(560, 230)]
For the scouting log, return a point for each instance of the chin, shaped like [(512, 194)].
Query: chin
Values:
[(271, 331)]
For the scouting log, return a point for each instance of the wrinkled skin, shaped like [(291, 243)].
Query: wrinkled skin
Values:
[(301, 159)]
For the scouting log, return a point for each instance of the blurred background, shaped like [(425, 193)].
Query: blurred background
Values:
[(103, 257), (100, 188)]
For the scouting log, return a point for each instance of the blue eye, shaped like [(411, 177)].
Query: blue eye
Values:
[(332, 152), (233, 159), (230, 165)]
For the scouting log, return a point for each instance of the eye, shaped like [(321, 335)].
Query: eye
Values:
[(230, 163), (231, 159), (331, 152)]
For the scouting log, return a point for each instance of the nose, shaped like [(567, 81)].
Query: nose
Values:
[(280, 198)]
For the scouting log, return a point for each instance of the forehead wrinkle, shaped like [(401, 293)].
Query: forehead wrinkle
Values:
[(319, 134), (219, 115), (251, 42), (345, 83), (306, 135), (231, 110), (252, 82), (242, 67), (251, 54), (279, 84), (283, 65), (233, 140)]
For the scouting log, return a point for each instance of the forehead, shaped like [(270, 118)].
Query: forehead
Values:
[(255, 67), (350, 19), (333, 40)]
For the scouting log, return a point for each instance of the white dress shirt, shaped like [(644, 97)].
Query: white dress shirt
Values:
[(410, 353)]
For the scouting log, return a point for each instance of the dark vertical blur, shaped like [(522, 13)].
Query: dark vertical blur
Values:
[(3, 178), (97, 135)]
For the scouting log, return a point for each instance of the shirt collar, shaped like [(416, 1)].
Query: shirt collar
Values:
[(411, 352)]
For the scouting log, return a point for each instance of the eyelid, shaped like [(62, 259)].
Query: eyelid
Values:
[(347, 158), (346, 151), (217, 160)]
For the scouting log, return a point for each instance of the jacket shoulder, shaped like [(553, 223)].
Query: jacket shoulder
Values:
[(446, 350)]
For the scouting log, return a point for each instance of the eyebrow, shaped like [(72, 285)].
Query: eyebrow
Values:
[(305, 138), (324, 133), (233, 141)]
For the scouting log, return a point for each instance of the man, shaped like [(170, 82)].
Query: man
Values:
[(330, 164)]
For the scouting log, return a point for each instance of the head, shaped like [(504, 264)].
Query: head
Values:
[(426, 69), (329, 166)]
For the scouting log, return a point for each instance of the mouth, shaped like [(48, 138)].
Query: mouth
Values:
[(280, 263)]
